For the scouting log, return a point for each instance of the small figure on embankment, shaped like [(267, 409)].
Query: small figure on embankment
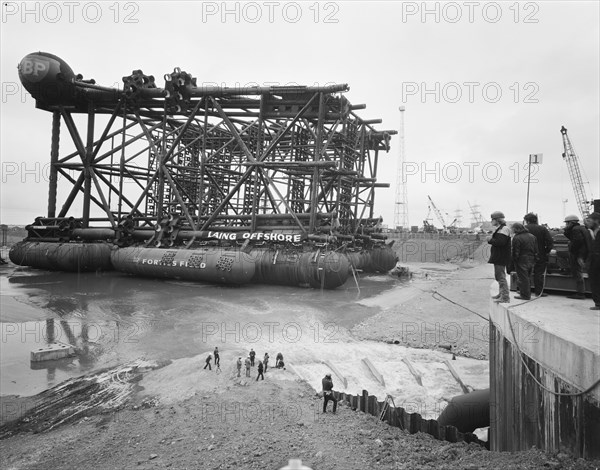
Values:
[(208, 359), (524, 257), (279, 361), (266, 361), (260, 371), (328, 393), (252, 356), (500, 255), (248, 366), (239, 366), (217, 358)]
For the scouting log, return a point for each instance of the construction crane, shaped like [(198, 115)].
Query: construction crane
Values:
[(572, 161), (437, 213)]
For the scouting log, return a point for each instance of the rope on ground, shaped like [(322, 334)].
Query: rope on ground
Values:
[(434, 293)]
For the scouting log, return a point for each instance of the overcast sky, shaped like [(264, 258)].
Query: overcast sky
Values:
[(484, 84)]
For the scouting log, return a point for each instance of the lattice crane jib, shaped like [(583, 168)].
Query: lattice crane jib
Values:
[(573, 165)]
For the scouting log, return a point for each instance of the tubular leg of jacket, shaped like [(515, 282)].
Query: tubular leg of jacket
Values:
[(577, 271), (523, 268), (538, 276), (500, 276)]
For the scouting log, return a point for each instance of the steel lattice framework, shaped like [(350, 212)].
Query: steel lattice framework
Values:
[(260, 158)]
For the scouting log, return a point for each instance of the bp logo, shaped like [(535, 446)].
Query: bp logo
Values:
[(34, 68)]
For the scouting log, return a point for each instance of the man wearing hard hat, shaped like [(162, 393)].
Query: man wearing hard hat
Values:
[(578, 252), (500, 254)]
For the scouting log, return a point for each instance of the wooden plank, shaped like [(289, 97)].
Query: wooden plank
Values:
[(374, 371), (412, 370), (434, 428), (451, 434), (338, 374), (373, 408), (456, 376), (363, 401), (415, 423)]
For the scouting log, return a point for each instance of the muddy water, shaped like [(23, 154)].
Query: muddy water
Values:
[(112, 318)]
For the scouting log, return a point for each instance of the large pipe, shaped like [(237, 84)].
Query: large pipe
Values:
[(52, 185)]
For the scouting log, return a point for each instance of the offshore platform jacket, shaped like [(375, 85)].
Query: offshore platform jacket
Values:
[(544, 240), (500, 241), (579, 241)]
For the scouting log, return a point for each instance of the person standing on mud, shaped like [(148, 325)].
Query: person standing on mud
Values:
[(208, 359), (260, 371), (279, 361), (252, 355), (248, 367), (217, 358), (328, 393), (500, 254), (266, 361), (545, 245), (524, 257), (239, 366)]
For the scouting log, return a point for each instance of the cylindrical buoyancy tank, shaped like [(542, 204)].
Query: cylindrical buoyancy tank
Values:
[(383, 259), (75, 257), (218, 265), (47, 78), (467, 412), (375, 260), (327, 269)]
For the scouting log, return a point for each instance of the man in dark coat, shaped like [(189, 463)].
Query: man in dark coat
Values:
[(578, 252), (500, 254), (594, 259), (208, 359), (524, 256), (328, 393), (252, 355), (217, 357), (545, 245), (260, 371)]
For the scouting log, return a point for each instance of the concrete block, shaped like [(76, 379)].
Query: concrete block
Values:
[(52, 352)]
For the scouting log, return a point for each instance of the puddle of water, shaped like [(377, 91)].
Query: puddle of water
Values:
[(113, 318)]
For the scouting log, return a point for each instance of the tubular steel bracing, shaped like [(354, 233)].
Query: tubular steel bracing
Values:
[(230, 160)]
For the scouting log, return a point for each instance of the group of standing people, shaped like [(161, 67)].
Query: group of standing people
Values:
[(261, 366), (527, 253)]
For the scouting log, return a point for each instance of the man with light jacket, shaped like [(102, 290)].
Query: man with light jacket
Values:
[(500, 254)]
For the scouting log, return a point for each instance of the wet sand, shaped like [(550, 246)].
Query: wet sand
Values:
[(114, 318)]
